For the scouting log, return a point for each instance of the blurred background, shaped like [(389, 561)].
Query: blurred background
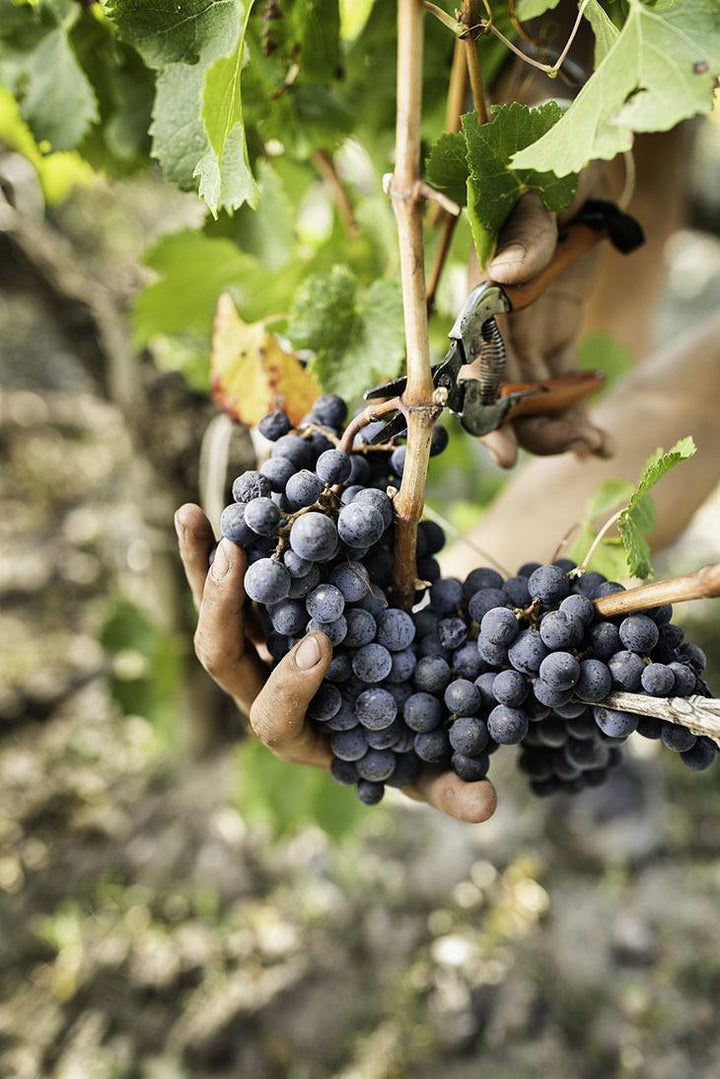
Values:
[(173, 902)]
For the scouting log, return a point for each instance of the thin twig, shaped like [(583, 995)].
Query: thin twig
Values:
[(549, 69), (325, 165), (372, 412), (701, 585), (469, 18), (454, 108), (407, 204), (442, 250), (596, 543)]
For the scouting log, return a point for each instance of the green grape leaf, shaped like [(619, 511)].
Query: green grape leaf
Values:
[(446, 168), (268, 232), (286, 797), (318, 30), (609, 555), (530, 9), (494, 185), (661, 69), (36, 58), (224, 171), (198, 130), (605, 31), (356, 335), (637, 519)]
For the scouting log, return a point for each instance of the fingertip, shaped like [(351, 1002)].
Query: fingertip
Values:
[(312, 652), (190, 518), (479, 802)]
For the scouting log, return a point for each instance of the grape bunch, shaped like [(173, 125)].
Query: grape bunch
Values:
[(477, 664)]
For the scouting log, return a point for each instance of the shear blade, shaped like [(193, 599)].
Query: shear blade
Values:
[(395, 427)]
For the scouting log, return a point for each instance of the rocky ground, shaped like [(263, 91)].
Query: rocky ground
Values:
[(150, 930)]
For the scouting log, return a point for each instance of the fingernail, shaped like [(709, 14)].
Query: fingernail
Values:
[(308, 654), (514, 252), (179, 526), (221, 562)]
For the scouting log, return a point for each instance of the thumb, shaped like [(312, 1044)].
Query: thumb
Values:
[(278, 712), (527, 242)]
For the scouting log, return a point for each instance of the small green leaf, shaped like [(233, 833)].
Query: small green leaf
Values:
[(605, 31), (224, 174), (660, 69), (168, 32), (609, 556), (356, 335), (530, 9), (494, 186), (446, 168), (637, 518)]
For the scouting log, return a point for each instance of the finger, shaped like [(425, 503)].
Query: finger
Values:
[(502, 445), (278, 713), (195, 539), (469, 802), (569, 430), (527, 242), (219, 638)]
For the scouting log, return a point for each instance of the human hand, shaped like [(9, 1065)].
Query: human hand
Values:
[(275, 700), (541, 339)]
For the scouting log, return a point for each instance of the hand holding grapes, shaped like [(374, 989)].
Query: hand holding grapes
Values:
[(277, 700)]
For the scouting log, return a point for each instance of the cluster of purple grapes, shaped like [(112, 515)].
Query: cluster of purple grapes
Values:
[(476, 665)]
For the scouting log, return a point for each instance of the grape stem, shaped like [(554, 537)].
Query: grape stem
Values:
[(407, 197), (701, 715), (325, 166), (701, 585), (372, 412)]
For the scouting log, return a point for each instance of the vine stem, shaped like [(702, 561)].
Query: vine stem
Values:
[(701, 715), (407, 201), (701, 585), (372, 412)]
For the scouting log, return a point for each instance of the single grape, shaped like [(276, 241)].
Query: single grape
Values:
[(700, 756), (249, 485), (603, 639), (344, 772), (685, 679), (657, 680), (446, 595), (588, 583), (387, 738), (586, 754), (375, 601), (325, 603), (485, 685), (626, 669), (678, 739), (274, 425), (516, 591), (349, 493), (267, 581), (345, 719), (329, 410), (397, 460), (537, 765), (233, 526), (349, 745), (560, 670), (426, 621), (262, 515), (429, 570), (480, 578), (613, 723), (359, 470), (296, 566), (582, 726), (527, 652), (660, 615), (360, 525), (507, 726), (300, 586), (560, 630), (549, 584), (553, 733), (433, 747), (694, 655), (432, 674), (340, 668), (550, 696), (314, 536), (595, 681), (303, 489), (371, 496), (277, 471), (468, 735), (528, 568), (510, 688), (467, 661), (361, 627), (649, 727), (395, 629), (376, 709), (422, 712), (333, 466), (495, 655), (565, 769), (639, 633), (403, 666), (294, 449), (288, 617), (463, 697), (499, 626), (570, 710), (369, 793), (406, 769), (470, 769), (432, 536), (372, 662), (438, 440), (334, 631), (579, 607), (377, 765), (565, 564), (325, 704)]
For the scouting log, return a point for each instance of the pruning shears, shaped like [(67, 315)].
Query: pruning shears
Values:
[(485, 403)]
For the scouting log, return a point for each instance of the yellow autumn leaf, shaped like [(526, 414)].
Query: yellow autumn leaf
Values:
[(251, 373)]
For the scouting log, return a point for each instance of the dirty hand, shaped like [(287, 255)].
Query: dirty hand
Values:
[(276, 700), (541, 340)]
